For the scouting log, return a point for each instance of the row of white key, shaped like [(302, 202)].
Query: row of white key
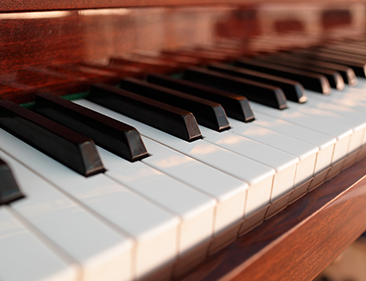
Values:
[(101, 196), (222, 198), (342, 134), (258, 176), (292, 160), (313, 155), (23, 152), (330, 115)]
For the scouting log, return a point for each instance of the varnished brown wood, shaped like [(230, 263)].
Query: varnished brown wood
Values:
[(60, 79), (204, 56), (209, 33), (68, 45), (21, 86), (182, 60), (299, 242), (37, 5), (84, 73), (115, 70), (149, 64)]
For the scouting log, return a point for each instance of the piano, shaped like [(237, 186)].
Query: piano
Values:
[(194, 140)]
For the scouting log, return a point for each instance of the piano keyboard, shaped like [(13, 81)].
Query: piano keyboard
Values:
[(158, 217)]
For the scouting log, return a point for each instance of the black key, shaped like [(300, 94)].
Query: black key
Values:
[(236, 106), (254, 91), (348, 49), (358, 66), (310, 81), (62, 144), (359, 57), (293, 90), (170, 119), (346, 72), (117, 137), (334, 78), (207, 113), (9, 190)]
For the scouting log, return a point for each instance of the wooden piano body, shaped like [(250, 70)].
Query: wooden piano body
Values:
[(295, 244)]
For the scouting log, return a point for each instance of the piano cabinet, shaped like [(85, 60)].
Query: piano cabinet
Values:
[(52, 47)]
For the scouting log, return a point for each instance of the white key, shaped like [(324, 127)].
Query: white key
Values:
[(350, 102), (341, 133), (258, 176), (147, 223), (285, 164), (195, 209), (326, 113), (229, 192), (334, 109), (24, 256), (350, 96), (325, 143), (354, 108), (98, 250), (357, 126), (306, 153)]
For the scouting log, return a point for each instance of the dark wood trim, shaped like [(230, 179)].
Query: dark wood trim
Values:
[(299, 242)]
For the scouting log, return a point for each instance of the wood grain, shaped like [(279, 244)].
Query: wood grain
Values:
[(50, 51), (66, 37), (38, 5), (299, 242), (41, 38)]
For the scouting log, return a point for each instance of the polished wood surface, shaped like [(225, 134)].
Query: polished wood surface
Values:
[(38, 5), (43, 38), (299, 242), (63, 46), (32, 42)]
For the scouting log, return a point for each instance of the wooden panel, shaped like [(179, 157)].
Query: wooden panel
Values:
[(41, 38), (299, 242), (38, 5)]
